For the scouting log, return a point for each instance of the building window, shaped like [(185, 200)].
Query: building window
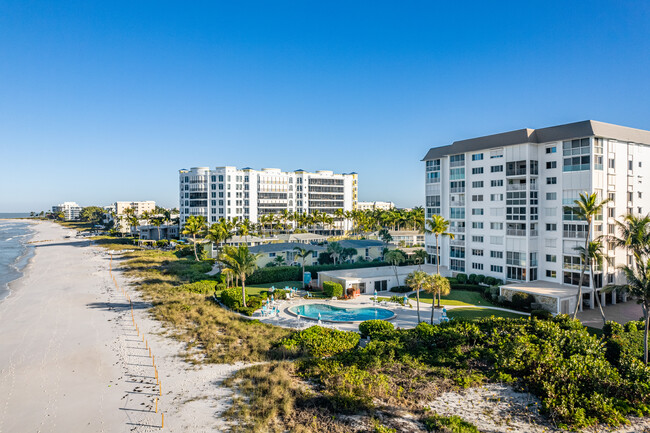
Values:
[(496, 226), (477, 198), (477, 157), (477, 225), (551, 196), (551, 258), (496, 168), (551, 164), (477, 170), (551, 274), (478, 266), (477, 211), (496, 254), (477, 184), (477, 253), (494, 183), (496, 268), (457, 213), (477, 239), (457, 173), (496, 197), (551, 227), (551, 149), (551, 180)]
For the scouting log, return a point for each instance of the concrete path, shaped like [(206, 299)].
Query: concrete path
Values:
[(621, 313)]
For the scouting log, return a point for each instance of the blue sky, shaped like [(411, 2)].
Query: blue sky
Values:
[(105, 101)]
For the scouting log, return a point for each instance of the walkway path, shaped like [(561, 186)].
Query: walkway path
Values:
[(621, 313)]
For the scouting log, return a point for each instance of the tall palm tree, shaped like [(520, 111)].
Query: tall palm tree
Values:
[(634, 233), (241, 262), (395, 258), (244, 229), (638, 284), (586, 208), (218, 233), (437, 226), (302, 253), (415, 280), (436, 284), (194, 226), (157, 222), (594, 256), (335, 249), (419, 257)]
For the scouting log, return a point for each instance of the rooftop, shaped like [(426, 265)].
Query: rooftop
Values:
[(380, 272), (586, 128), (283, 246), (547, 288), (360, 243)]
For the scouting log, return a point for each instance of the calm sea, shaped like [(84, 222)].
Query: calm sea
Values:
[(14, 250)]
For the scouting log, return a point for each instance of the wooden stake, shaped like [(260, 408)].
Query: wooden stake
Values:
[(162, 423), (150, 352), (156, 405)]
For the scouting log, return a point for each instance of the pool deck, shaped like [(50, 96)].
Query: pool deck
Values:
[(405, 317)]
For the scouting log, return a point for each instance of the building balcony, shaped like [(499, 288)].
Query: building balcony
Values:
[(457, 243), (534, 233), (515, 232), (574, 235), (456, 190)]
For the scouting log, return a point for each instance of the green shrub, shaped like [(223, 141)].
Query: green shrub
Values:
[(332, 289), (162, 243), (472, 279), (623, 341), (490, 281), (318, 341), (401, 289), (375, 328), (541, 314), (480, 279), (522, 301), (277, 294), (232, 298), (452, 424), (205, 287), (461, 278)]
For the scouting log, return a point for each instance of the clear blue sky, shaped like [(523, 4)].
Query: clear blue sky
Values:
[(104, 101)]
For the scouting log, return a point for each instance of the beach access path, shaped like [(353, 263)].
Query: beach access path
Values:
[(72, 361)]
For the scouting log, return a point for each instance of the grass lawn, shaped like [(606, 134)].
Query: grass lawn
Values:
[(478, 313), (456, 297)]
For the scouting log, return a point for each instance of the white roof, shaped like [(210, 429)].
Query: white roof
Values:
[(547, 288), (380, 272)]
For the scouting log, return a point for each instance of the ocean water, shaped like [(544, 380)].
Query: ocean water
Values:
[(15, 252)]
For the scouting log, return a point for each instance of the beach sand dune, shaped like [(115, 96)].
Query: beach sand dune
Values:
[(72, 361)]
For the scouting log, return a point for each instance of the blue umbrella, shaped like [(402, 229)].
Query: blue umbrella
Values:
[(406, 300), (375, 294)]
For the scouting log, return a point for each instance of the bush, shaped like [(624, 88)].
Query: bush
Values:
[(277, 294), (452, 424), (318, 341), (480, 279), (205, 287), (461, 278), (522, 301), (162, 243), (623, 341), (375, 328), (541, 314), (472, 279), (332, 289), (490, 281), (401, 289)]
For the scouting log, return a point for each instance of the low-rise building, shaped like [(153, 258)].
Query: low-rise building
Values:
[(407, 238), (368, 280), (151, 232), (70, 209), (374, 205), (269, 253), (138, 206), (367, 249)]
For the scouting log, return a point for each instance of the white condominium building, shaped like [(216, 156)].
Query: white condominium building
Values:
[(246, 193), (374, 205), (138, 206), (505, 194), (70, 209)]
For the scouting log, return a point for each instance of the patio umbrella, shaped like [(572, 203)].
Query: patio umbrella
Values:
[(406, 300), (319, 318), (375, 295)]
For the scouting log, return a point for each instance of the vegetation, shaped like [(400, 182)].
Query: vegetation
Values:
[(331, 289), (293, 273), (194, 226), (416, 280), (452, 424), (240, 262), (375, 328)]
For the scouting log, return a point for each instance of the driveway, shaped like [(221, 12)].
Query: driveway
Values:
[(622, 313)]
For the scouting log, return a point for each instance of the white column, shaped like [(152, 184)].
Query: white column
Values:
[(603, 298), (613, 297), (591, 300)]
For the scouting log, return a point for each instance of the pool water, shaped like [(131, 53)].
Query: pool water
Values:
[(338, 314)]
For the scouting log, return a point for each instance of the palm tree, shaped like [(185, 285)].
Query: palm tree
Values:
[(437, 226), (415, 280), (638, 284), (157, 222), (594, 255), (394, 257), (241, 262), (218, 233), (194, 226), (335, 249), (243, 229), (436, 284), (586, 208), (419, 257), (134, 222), (302, 254), (635, 231), (278, 261)]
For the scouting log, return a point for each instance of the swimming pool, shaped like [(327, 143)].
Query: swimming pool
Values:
[(339, 314)]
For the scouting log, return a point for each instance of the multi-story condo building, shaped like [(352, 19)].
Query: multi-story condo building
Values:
[(505, 194), (374, 205), (246, 193), (70, 209), (138, 206)]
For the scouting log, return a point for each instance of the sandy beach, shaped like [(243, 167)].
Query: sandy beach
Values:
[(71, 360)]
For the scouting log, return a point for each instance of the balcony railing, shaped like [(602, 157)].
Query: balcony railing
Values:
[(457, 229), (516, 172), (534, 233), (457, 190), (516, 187), (457, 243), (515, 232), (574, 235)]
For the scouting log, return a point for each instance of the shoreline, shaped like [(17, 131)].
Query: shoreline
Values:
[(29, 254)]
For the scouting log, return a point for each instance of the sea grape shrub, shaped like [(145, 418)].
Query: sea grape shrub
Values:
[(522, 301), (452, 424), (232, 298), (331, 289), (318, 341), (401, 289), (204, 287), (375, 328), (623, 341), (541, 314), (461, 278), (275, 274)]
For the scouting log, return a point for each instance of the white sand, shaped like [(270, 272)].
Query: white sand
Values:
[(71, 361)]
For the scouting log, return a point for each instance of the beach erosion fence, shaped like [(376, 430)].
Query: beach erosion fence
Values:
[(144, 340)]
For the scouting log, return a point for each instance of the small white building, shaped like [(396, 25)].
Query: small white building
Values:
[(367, 280), (374, 205), (71, 210), (151, 232), (138, 206)]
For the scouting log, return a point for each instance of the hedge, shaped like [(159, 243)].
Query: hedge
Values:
[(232, 298), (401, 289), (205, 287), (375, 328), (318, 341), (331, 289)]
